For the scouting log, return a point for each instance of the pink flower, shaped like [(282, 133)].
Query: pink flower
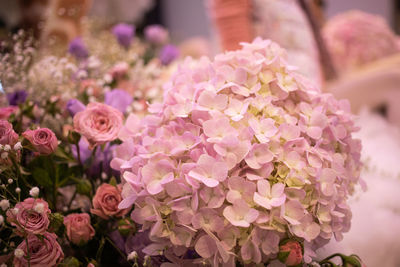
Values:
[(78, 228), (209, 171), (7, 134), (106, 200), (240, 214), (30, 216), (44, 252), (43, 140), (99, 123), (243, 136), (269, 196), (155, 175), (7, 111), (295, 256), (258, 156)]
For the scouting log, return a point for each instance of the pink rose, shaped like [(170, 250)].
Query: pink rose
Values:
[(7, 111), (295, 256), (30, 216), (42, 139), (78, 228), (43, 253), (7, 134), (106, 201), (99, 123)]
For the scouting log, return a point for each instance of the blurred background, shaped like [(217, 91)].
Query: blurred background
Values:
[(348, 48)]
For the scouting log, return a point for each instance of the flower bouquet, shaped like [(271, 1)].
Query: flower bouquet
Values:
[(59, 122), (243, 163)]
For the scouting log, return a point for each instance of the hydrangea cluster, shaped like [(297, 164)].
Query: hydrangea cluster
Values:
[(242, 154), (355, 38)]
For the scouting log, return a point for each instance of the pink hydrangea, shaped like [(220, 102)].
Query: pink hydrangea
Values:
[(242, 154), (355, 38)]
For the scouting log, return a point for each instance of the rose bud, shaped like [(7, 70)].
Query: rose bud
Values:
[(290, 253), (79, 230), (106, 201), (43, 140)]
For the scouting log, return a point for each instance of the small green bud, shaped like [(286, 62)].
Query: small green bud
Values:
[(56, 221), (84, 187)]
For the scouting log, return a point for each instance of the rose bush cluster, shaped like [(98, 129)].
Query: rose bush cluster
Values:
[(31, 219), (242, 154)]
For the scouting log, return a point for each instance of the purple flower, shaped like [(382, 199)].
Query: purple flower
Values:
[(17, 97), (101, 160), (74, 106), (168, 54), (124, 34), (137, 242), (156, 34), (118, 99), (78, 49)]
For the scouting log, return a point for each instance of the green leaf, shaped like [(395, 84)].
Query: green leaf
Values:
[(56, 221), (113, 181), (70, 262), (42, 177), (84, 187), (60, 153)]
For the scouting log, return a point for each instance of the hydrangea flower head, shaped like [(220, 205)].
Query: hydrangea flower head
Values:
[(242, 154)]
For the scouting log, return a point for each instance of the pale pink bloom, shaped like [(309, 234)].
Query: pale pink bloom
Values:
[(211, 101), (293, 212), (240, 214), (239, 188), (327, 178), (289, 132), (236, 109), (99, 123), (262, 173), (228, 237), (217, 129), (250, 251), (181, 236), (145, 213), (286, 82), (263, 129), (205, 246), (209, 171), (307, 229), (294, 161), (213, 197), (259, 155), (156, 174), (232, 149), (268, 196), (269, 240), (208, 219)]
